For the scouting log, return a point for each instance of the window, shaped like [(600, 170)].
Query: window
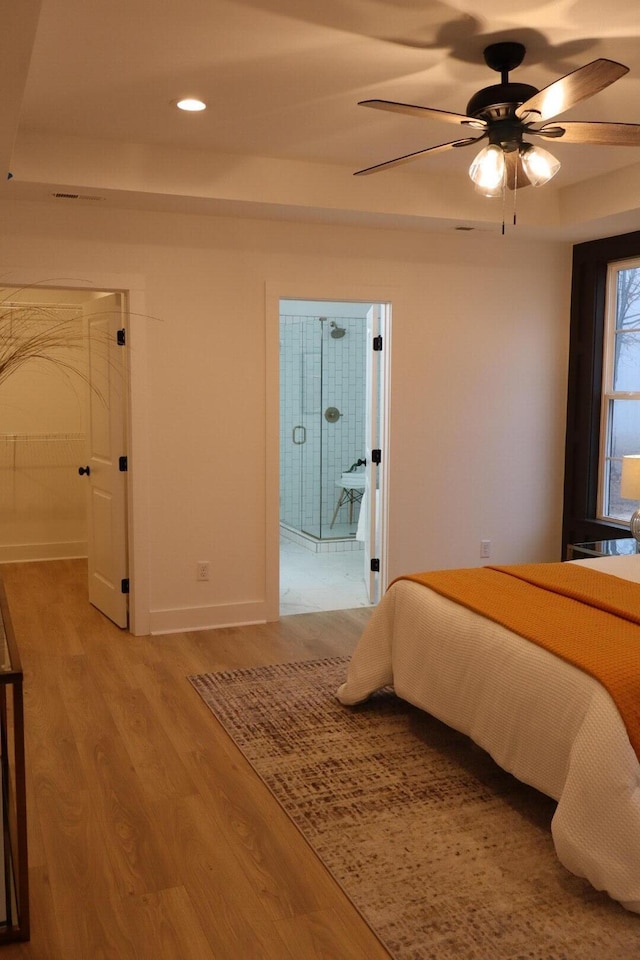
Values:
[(620, 404), (603, 399)]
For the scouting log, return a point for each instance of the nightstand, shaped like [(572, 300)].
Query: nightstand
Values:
[(602, 548)]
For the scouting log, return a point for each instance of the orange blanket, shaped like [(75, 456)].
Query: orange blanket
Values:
[(590, 619)]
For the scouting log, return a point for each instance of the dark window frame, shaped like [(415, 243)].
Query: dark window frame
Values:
[(582, 449)]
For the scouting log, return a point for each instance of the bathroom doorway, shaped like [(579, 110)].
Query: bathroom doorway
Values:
[(331, 386)]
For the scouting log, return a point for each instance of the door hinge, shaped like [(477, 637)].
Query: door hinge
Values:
[(376, 456), (121, 337), (123, 464), (124, 585), (375, 565), (377, 343)]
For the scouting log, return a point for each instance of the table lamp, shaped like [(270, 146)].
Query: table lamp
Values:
[(630, 489)]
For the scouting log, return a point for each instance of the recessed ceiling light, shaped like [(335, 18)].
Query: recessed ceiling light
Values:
[(191, 104)]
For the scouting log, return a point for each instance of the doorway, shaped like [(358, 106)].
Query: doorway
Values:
[(62, 447), (331, 392)]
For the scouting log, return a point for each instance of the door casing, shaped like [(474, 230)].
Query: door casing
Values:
[(275, 291), (131, 287)]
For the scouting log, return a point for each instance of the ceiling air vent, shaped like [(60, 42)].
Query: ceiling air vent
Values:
[(59, 195)]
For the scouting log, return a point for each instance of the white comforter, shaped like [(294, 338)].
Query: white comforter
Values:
[(543, 720)]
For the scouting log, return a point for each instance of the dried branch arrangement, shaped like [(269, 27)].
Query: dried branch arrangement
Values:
[(29, 337)]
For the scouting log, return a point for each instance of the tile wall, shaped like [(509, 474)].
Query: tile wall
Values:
[(318, 371)]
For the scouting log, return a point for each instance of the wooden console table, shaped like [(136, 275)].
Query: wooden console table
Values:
[(14, 877)]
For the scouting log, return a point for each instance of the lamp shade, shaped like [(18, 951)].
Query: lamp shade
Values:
[(487, 170), (539, 165), (630, 480)]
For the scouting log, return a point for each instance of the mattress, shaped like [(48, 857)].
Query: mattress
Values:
[(545, 721)]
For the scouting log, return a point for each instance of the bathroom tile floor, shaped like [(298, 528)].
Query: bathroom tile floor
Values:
[(320, 581)]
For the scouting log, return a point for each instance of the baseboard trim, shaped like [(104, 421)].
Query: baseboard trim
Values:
[(23, 552), (182, 619)]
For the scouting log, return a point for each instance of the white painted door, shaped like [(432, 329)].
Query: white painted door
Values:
[(107, 534), (371, 499)]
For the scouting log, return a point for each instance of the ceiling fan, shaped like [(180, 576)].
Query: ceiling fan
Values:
[(507, 112)]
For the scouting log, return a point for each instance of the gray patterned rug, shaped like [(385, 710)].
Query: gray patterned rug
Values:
[(445, 856)]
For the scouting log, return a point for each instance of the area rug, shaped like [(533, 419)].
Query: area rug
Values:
[(445, 856)]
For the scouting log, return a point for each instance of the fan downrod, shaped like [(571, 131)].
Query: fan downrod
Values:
[(499, 101), (503, 57)]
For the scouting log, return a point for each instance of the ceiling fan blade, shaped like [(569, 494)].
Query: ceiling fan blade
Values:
[(604, 134), (571, 89), (516, 178), (414, 156), (425, 112)]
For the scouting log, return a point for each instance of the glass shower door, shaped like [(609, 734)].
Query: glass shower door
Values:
[(300, 423), (311, 413), (322, 423)]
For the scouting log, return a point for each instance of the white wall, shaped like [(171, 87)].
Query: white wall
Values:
[(478, 391)]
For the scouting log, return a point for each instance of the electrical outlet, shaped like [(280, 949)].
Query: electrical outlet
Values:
[(203, 570), (485, 549)]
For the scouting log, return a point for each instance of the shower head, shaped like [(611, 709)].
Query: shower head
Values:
[(336, 331)]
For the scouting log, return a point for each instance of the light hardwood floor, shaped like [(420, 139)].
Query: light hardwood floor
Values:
[(149, 835)]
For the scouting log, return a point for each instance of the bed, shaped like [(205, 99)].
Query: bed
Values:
[(544, 720)]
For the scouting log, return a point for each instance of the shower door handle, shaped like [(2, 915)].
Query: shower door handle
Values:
[(294, 435)]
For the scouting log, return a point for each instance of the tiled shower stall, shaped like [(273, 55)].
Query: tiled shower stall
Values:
[(322, 420)]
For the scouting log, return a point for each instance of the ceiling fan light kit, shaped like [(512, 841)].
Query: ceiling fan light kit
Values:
[(538, 164), (487, 170), (505, 113)]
